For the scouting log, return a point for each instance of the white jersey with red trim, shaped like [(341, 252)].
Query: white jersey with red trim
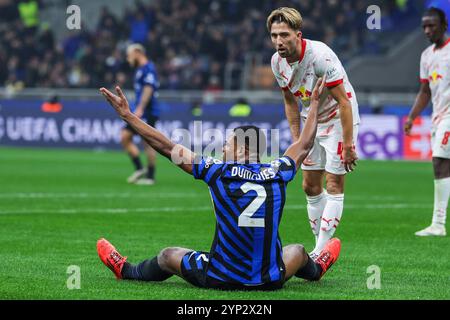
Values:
[(316, 60), (435, 69)]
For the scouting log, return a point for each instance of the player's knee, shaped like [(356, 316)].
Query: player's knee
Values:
[(125, 138), (124, 141), (165, 258), (301, 250), (311, 189), (335, 186)]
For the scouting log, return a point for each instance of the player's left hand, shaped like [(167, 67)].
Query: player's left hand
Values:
[(118, 102), (407, 127), (349, 158)]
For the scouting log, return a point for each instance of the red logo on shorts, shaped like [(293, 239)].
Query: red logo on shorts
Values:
[(445, 139)]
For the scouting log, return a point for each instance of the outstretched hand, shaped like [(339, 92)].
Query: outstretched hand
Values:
[(118, 102)]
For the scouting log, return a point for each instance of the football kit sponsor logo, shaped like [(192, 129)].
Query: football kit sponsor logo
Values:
[(303, 94), (435, 77)]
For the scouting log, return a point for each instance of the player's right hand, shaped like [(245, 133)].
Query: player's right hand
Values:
[(349, 158), (408, 126), (118, 102)]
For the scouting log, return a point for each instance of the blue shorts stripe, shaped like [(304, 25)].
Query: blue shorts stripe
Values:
[(198, 261), (186, 263)]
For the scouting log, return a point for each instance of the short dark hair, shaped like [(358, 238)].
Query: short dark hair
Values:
[(436, 12), (248, 131)]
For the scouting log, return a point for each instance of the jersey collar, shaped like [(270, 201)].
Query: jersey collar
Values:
[(445, 43), (302, 54)]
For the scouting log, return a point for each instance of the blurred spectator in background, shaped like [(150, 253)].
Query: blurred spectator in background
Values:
[(196, 109), (139, 28), (29, 14), (241, 109), (52, 105), (191, 42)]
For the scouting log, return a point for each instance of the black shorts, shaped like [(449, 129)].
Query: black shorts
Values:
[(150, 120), (194, 268)]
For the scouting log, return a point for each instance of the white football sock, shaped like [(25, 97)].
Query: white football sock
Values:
[(315, 207), (330, 219), (441, 195)]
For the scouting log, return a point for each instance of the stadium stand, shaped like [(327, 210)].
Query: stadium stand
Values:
[(197, 45)]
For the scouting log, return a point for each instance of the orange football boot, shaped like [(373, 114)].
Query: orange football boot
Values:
[(329, 255), (110, 257)]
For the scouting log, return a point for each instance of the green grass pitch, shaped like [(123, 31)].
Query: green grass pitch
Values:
[(55, 204)]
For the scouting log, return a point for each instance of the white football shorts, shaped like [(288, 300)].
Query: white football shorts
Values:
[(440, 143), (327, 150)]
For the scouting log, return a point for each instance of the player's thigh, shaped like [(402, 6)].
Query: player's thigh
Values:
[(315, 161), (194, 268), (148, 149), (169, 259), (151, 121), (126, 135), (441, 167), (294, 258), (333, 144), (313, 169), (440, 142)]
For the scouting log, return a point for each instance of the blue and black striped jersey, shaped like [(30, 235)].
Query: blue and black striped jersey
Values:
[(146, 76), (248, 202)]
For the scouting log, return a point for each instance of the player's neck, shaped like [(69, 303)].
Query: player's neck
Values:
[(143, 62), (442, 41)]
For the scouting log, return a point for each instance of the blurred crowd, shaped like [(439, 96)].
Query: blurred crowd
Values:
[(191, 42)]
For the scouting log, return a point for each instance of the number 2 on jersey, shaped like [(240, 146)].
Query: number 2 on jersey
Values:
[(245, 219)]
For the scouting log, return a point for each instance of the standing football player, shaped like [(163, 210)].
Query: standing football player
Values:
[(435, 86), (146, 107), (297, 65)]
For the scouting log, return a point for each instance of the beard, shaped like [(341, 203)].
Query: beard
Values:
[(283, 52)]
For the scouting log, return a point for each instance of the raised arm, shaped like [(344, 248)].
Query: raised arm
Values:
[(299, 150), (178, 154)]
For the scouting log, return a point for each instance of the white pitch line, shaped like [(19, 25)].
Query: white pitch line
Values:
[(84, 195), (43, 195), (104, 210), (392, 206)]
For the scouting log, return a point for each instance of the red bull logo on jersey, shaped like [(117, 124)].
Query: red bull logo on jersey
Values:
[(303, 94), (435, 77)]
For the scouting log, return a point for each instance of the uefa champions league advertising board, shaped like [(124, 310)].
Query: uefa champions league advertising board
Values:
[(94, 125)]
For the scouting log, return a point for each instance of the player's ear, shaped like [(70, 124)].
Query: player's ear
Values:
[(299, 34)]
